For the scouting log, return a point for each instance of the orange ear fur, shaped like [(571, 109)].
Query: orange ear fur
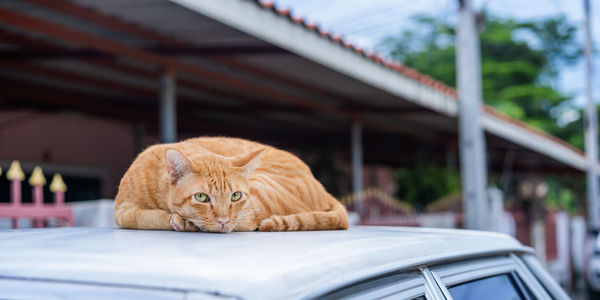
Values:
[(248, 162), (178, 165)]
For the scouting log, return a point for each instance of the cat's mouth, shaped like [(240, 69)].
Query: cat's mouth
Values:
[(225, 228)]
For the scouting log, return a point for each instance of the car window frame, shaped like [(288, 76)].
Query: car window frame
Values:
[(451, 274), (524, 269), (422, 284), (541, 276), (531, 280)]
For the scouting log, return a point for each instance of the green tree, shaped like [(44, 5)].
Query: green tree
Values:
[(425, 182), (520, 62)]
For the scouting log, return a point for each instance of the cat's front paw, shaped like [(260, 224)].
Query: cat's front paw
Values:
[(271, 224), (180, 224)]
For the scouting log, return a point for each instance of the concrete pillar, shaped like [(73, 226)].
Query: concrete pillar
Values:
[(357, 158), (473, 162), (168, 108), (357, 162)]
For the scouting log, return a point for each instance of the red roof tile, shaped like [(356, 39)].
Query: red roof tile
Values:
[(310, 25), (284, 12), (337, 38), (266, 4)]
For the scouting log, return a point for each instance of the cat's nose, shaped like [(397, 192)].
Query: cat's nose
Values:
[(222, 220)]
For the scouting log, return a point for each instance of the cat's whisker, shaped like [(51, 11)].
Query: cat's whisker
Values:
[(241, 215), (198, 223)]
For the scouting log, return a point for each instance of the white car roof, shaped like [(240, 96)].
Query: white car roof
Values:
[(241, 264)]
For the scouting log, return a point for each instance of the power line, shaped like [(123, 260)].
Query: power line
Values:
[(352, 17), (382, 12)]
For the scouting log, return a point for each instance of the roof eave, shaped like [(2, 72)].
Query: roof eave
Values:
[(281, 28)]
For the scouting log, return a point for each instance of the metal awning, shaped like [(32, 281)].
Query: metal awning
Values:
[(243, 68)]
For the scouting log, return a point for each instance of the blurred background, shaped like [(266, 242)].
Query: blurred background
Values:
[(364, 91)]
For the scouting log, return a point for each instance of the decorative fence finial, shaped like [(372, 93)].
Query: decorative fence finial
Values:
[(37, 177), (15, 172), (58, 185)]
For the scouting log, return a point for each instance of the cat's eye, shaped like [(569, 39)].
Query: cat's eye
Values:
[(201, 197), (236, 196)]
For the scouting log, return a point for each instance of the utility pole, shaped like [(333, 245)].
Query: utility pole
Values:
[(590, 127), (473, 162)]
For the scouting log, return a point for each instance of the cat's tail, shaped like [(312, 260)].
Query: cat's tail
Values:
[(334, 218)]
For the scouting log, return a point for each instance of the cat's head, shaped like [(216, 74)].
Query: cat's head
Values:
[(211, 190)]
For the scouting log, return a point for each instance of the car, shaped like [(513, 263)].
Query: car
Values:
[(360, 263), (592, 267)]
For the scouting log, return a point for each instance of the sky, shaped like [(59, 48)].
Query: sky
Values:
[(366, 22)]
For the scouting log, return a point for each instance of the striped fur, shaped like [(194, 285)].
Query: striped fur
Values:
[(279, 191)]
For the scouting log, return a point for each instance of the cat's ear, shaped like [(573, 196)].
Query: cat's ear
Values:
[(177, 164), (248, 162)]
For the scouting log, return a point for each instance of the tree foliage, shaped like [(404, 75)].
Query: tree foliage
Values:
[(425, 182), (520, 67), (519, 64)]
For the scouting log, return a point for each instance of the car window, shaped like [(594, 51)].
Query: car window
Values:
[(499, 287), (400, 285), (470, 272)]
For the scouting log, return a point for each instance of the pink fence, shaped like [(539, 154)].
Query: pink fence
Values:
[(37, 211)]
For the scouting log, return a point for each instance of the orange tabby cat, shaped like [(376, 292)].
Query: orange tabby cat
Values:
[(222, 185)]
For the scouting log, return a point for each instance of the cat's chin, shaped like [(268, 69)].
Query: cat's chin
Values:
[(225, 229), (218, 230), (215, 229)]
